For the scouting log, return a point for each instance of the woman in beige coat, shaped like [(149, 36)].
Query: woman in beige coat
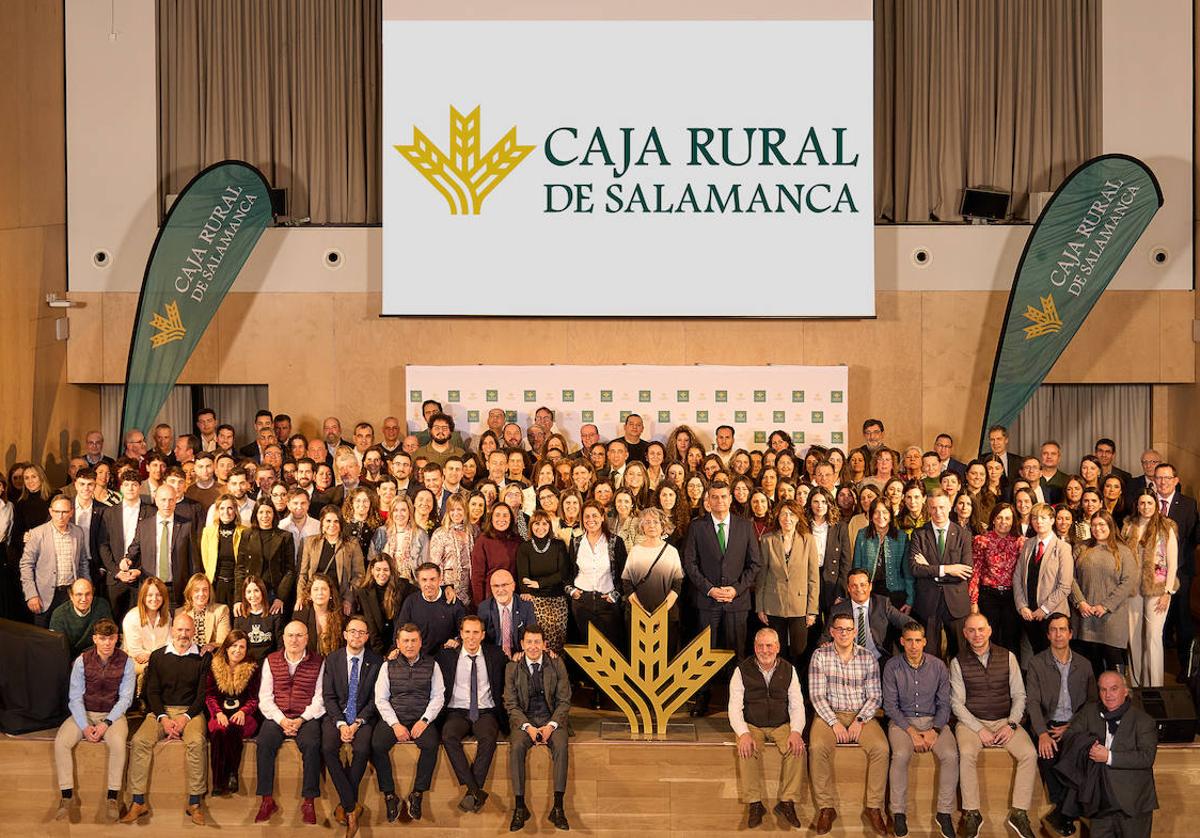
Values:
[(334, 554), (1106, 575), (788, 590)]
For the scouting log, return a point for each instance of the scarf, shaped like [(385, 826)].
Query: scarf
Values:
[(232, 681), (1112, 718)]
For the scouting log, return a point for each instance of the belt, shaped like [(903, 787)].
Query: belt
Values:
[(224, 578), (998, 590)]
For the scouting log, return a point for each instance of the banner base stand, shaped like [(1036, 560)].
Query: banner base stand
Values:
[(622, 732)]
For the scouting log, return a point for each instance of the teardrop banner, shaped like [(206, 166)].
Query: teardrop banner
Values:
[(1075, 249), (206, 238)]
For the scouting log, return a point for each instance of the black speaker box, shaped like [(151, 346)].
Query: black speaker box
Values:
[(1171, 708)]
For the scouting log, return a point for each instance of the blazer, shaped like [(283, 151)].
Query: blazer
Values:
[(489, 612), (112, 536), (838, 557), (1055, 577), (556, 688), (370, 610), (1042, 683), (788, 587), (39, 562), (1183, 512), (335, 685), (347, 559), (216, 622), (956, 467), (266, 554), (1134, 747), (209, 542), (866, 556), (185, 552), (928, 587), (707, 567), (884, 621), (494, 661), (95, 531)]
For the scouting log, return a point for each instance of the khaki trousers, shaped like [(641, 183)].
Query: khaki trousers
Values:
[(69, 735), (751, 770), (149, 734), (822, 744), (944, 749), (1020, 747)]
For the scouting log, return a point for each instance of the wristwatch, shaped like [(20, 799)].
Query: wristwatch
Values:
[(1012, 725)]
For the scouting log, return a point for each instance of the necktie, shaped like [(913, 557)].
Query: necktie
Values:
[(1165, 506), (861, 637), (721, 535), (1041, 550), (506, 630), (164, 552), (473, 709), (941, 536), (352, 701), (535, 680)]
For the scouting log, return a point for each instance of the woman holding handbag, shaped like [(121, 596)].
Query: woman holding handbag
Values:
[(653, 574)]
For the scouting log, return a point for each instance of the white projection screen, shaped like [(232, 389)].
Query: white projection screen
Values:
[(631, 168)]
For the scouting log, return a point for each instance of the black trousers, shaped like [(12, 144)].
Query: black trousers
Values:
[(271, 738), (121, 596), (728, 631), (382, 742), (1056, 789), (1121, 825), (937, 621), (486, 730), (1002, 615), (793, 637), (61, 594), (345, 780), (1179, 621), (519, 747), (607, 616), (1102, 656)]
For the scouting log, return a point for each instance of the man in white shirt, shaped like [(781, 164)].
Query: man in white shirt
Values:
[(298, 522), (87, 517), (765, 703), (238, 485), (364, 439), (206, 427)]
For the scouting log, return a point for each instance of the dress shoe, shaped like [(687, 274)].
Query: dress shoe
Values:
[(194, 812), (339, 815), (755, 814), (352, 822), (231, 784), (481, 797), (134, 812), (267, 808), (414, 805), (971, 821), (699, 707), (112, 810), (825, 819), (786, 809), (393, 807), (559, 818), (945, 824), (899, 824), (1058, 824), (595, 705), (308, 811), (520, 815), (467, 804), (875, 818)]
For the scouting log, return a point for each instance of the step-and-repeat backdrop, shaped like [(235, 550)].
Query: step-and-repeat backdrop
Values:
[(810, 403)]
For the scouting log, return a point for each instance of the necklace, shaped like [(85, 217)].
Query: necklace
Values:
[(534, 543)]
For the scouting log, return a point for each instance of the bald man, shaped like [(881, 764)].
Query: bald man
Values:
[(76, 617), (504, 615)]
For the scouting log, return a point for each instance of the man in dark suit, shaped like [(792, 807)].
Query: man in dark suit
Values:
[(1126, 744), (180, 560), (348, 687), (1106, 451), (537, 696), (122, 578), (504, 616), (1134, 486), (475, 705), (1043, 492), (939, 559), (1182, 510), (87, 515), (943, 446), (721, 559), (998, 443), (877, 623)]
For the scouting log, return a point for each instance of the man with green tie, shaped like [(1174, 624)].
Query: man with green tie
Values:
[(165, 545), (939, 559)]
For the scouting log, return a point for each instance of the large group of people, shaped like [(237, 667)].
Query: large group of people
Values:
[(356, 594)]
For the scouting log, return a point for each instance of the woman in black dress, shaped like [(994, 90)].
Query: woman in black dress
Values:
[(540, 565), (380, 595)]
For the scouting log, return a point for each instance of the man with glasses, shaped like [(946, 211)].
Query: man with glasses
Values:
[(55, 555), (1182, 510)]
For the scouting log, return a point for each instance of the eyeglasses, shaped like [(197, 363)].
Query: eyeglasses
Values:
[(842, 629), (357, 632)]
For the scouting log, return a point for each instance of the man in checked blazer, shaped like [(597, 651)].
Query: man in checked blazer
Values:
[(939, 559), (721, 559)]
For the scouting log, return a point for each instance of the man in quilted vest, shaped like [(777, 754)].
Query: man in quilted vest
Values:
[(292, 707)]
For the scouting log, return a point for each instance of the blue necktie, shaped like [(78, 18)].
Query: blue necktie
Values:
[(473, 710), (352, 703)]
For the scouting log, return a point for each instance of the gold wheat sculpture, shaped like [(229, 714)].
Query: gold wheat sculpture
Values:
[(647, 687), (464, 177)]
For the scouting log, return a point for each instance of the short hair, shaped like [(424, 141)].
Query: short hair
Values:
[(432, 468), (534, 628), (427, 566), (411, 628), (442, 417), (842, 616), (944, 435), (913, 626), (237, 471), (1041, 509), (1053, 442), (937, 492), (203, 455), (258, 414), (433, 402), (726, 428), (205, 411), (104, 627), (282, 417), (155, 457), (626, 422), (871, 422), (716, 486), (85, 474), (999, 428), (1165, 464), (1105, 441), (195, 581), (1057, 615), (225, 427), (471, 618), (616, 442), (856, 571)]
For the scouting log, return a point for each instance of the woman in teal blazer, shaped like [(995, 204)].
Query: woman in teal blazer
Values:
[(882, 541)]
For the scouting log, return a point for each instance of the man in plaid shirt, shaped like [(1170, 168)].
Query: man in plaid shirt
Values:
[(844, 686)]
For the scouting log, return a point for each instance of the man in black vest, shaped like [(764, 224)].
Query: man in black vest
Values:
[(537, 696), (474, 679), (988, 698), (1058, 683), (348, 689), (765, 703), (409, 695)]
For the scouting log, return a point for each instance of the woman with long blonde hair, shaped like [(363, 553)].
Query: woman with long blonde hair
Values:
[(1154, 539)]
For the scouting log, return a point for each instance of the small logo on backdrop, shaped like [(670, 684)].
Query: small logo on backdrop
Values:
[(414, 395), (797, 396), (778, 416), (836, 396), (760, 396), (169, 328), (452, 395), (1045, 321), (568, 395), (837, 438), (664, 416), (531, 395), (681, 395), (701, 415), (510, 416), (464, 178), (472, 416), (739, 416), (625, 416), (798, 438), (818, 417), (491, 395), (760, 437), (643, 395), (605, 396), (588, 415), (721, 396)]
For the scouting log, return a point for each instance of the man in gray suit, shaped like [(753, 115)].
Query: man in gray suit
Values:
[(55, 555), (537, 696)]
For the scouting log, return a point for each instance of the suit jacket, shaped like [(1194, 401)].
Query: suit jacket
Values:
[(1134, 747), (1055, 577), (928, 587), (556, 688), (251, 451), (185, 552), (112, 536), (788, 587), (348, 561), (335, 686), (884, 621), (95, 534), (39, 562), (495, 662), (1183, 512), (707, 567), (1050, 493), (1134, 487), (957, 467), (1042, 683), (489, 612), (839, 557)]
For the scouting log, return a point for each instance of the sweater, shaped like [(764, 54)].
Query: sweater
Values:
[(174, 680), (78, 627)]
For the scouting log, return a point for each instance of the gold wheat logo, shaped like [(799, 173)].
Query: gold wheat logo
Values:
[(1044, 321), (648, 688), (464, 177), (169, 328)]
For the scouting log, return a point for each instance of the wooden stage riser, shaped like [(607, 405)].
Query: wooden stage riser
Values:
[(614, 789)]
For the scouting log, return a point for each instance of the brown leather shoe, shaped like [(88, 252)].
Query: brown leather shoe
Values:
[(875, 818), (786, 809), (196, 814), (825, 819), (339, 814), (135, 811), (352, 822)]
